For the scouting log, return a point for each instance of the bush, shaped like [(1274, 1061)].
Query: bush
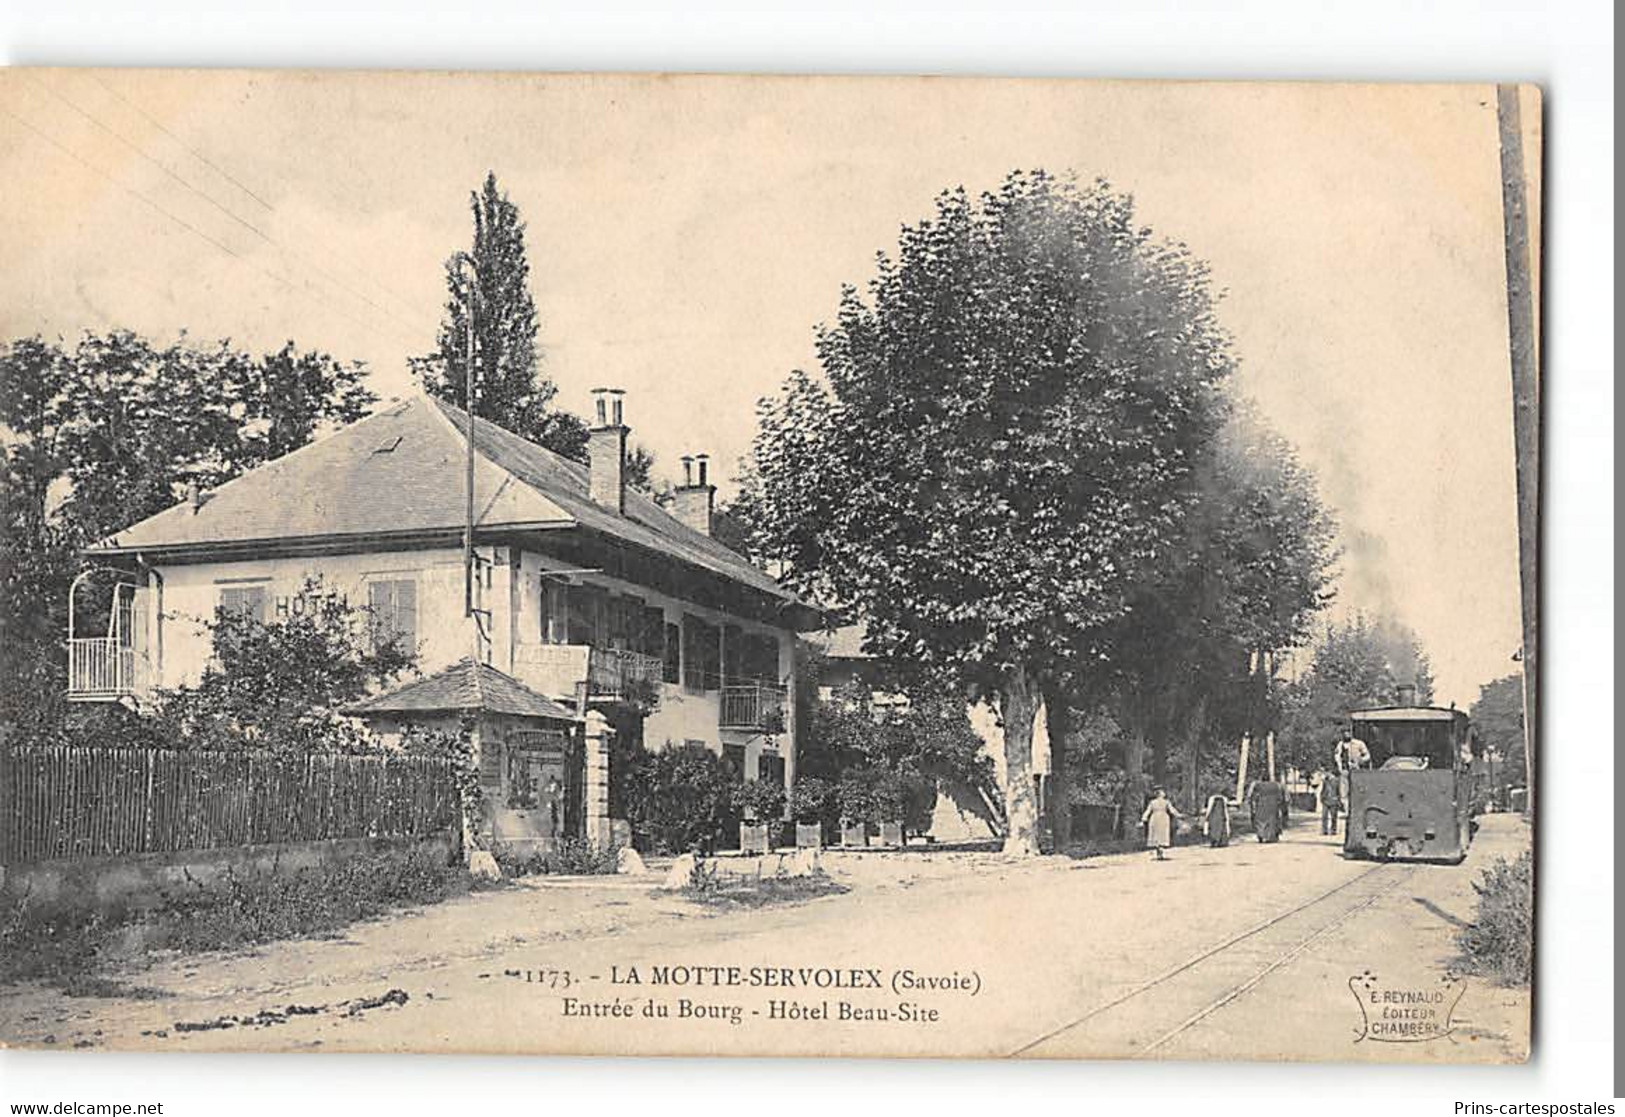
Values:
[(877, 795), (1500, 940), (760, 800), (918, 797), (677, 800), (240, 909), (858, 795), (571, 857), (812, 800)]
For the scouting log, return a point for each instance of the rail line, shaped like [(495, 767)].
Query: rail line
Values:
[(1396, 876)]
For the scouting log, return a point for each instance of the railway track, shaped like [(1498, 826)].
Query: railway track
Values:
[(1150, 1016)]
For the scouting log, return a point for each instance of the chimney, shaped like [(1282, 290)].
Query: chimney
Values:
[(692, 501), (1406, 694), (606, 450)]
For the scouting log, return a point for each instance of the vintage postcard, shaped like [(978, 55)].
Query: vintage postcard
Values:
[(614, 564)]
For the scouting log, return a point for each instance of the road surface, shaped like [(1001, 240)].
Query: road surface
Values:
[(1282, 951)]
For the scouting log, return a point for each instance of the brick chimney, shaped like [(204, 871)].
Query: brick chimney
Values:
[(606, 450), (691, 502)]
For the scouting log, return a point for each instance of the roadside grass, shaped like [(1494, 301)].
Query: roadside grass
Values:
[(572, 857), (241, 909), (1499, 942), (731, 891)]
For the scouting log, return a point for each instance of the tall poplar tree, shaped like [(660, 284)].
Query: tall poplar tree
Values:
[(510, 388)]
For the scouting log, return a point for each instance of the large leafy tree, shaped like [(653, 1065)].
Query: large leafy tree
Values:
[(112, 430), (1005, 443), (1191, 652), (510, 388)]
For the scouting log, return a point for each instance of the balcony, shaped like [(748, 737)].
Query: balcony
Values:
[(614, 674), (102, 669), (754, 705), (610, 675)]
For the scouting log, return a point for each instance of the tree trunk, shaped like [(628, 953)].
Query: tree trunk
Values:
[(1160, 731), (1059, 712), (1133, 774), (1193, 754), (1018, 707)]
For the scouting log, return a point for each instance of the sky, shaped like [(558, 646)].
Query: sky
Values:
[(687, 235)]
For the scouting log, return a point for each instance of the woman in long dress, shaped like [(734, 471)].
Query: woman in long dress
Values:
[(1267, 803), (1158, 821), (1216, 821)]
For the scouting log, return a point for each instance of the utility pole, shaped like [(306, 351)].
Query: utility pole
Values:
[(1525, 405), (470, 300)]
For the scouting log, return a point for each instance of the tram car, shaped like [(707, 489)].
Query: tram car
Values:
[(1414, 802)]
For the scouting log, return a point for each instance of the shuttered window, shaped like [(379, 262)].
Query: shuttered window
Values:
[(702, 655), (244, 601), (672, 671), (555, 612), (393, 612)]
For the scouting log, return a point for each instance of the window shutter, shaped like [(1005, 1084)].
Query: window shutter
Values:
[(406, 614)]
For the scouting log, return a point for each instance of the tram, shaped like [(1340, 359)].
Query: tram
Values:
[(1414, 802)]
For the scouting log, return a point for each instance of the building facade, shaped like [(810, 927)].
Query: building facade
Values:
[(585, 591)]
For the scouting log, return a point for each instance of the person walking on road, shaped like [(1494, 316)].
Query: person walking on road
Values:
[(1331, 802), (1216, 821), (1266, 803), (1158, 820)]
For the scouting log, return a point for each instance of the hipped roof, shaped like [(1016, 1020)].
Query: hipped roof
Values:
[(399, 472), (465, 686)]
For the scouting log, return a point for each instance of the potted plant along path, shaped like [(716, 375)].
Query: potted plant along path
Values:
[(858, 804), (810, 801), (892, 792), (761, 808)]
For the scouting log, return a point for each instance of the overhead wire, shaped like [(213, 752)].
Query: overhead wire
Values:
[(193, 151), (187, 225), (218, 205)]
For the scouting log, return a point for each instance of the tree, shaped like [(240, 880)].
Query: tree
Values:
[(1254, 569), (639, 470), (1360, 664), (510, 390), (1005, 443), (112, 430), (282, 685), (1498, 727)]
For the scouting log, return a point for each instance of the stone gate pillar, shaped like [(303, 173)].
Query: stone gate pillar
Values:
[(598, 734)]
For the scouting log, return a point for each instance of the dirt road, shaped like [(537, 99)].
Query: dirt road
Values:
[(1281, 951)]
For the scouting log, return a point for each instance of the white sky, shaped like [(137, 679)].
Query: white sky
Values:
[(686, 235)]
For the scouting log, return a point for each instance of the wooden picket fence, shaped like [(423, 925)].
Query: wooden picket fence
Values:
[(76, 802)]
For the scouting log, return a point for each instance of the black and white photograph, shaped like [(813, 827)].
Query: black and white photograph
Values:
[(634, 564)]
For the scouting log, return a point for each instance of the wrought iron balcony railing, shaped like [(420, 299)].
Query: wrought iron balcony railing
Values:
[(612, 673), (102, 669), (753, 704)]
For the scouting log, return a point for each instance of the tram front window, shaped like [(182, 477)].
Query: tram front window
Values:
[(1411, 746)]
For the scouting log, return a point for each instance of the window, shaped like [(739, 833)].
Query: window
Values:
[(651, 639), (588, 604), (759, 658), (673, 652), (244, 601), (733, 647), (733, 756), (770, 766), (554, 621), (393, 612), (702, 655)]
